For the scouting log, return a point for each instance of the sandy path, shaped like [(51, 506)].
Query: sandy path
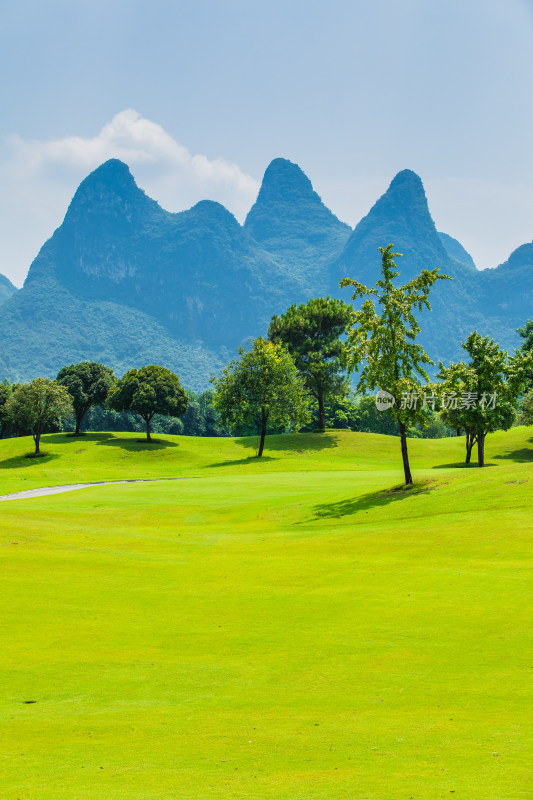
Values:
[(71, 487)]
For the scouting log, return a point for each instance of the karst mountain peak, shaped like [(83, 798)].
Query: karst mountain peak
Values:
[(125, 282)]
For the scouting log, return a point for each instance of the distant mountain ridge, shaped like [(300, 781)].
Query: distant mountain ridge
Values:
[(456, 250), (125, 282), (6, 289)]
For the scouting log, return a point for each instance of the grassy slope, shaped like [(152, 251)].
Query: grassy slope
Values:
[(270, 629)]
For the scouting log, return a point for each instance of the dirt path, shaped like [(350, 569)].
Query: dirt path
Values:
[(71, 487)]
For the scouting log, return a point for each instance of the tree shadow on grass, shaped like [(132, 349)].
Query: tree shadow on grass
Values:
[(249, 460), (27, 460), (291, 442), (523, 455), (462, 465), (69, 438), (137, 445), (352, 505)]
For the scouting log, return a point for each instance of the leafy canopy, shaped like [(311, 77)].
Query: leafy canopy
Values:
[(526, 410), (88, 383), (147, 391), (311, 334), (261, 386), (527, 345), (32, 406), (527, 334), (381, 338), (5, 394), (492, 379)]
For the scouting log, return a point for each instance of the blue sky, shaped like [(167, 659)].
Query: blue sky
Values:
[(199, 96)]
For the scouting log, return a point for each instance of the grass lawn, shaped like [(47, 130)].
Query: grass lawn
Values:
[(287, 628)]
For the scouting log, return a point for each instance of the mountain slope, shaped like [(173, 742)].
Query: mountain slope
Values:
[(54, 327), (508, 290), (6, 289), (456, 250)]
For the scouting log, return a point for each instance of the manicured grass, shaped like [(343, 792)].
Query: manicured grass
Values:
[(294, 627)]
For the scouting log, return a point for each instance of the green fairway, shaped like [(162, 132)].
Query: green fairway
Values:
[(293, 627)]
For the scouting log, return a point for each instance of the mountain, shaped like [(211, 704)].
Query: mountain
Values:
[(290, 221), (507, 291), (197, 272), (127, 283), (6, 289), (402, 216), (456, 250), (471, 301)]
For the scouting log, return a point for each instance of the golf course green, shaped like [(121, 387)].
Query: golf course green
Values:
[(295, 627)]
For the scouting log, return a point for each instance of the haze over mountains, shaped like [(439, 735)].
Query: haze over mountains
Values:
[(127, 283)]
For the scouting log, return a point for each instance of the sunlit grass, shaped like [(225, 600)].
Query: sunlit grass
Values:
[(294, 627)]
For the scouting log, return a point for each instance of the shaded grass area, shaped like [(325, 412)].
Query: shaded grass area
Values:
[(29, 459), (520, 455), (295, 443), (364, 502), (288, 629)]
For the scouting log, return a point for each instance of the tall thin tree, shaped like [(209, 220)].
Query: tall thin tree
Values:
[(381, 343)]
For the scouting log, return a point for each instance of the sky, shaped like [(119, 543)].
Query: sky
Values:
[(198, 96)]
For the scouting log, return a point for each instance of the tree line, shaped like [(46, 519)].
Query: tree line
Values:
[(297, 378), (149, 391), (304, 359)]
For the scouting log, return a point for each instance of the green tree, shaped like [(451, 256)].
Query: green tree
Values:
[(5, 394), (193, 421), (527, 345), (147, 391), (32, 406), (382, 343), (88, 383), (212, 424), (311, 332), (261, 387), (361, 414), (483, 396), (453, 389), (526, 410)]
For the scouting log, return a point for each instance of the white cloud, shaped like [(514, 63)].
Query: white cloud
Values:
[(40, 177)]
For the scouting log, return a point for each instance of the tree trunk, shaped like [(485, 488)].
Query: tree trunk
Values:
[(37, 439), (148, 437), (480, 449), (470, 441), (405, 455), (79, 417), (321, 412), (3, 430), (264, 418)]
